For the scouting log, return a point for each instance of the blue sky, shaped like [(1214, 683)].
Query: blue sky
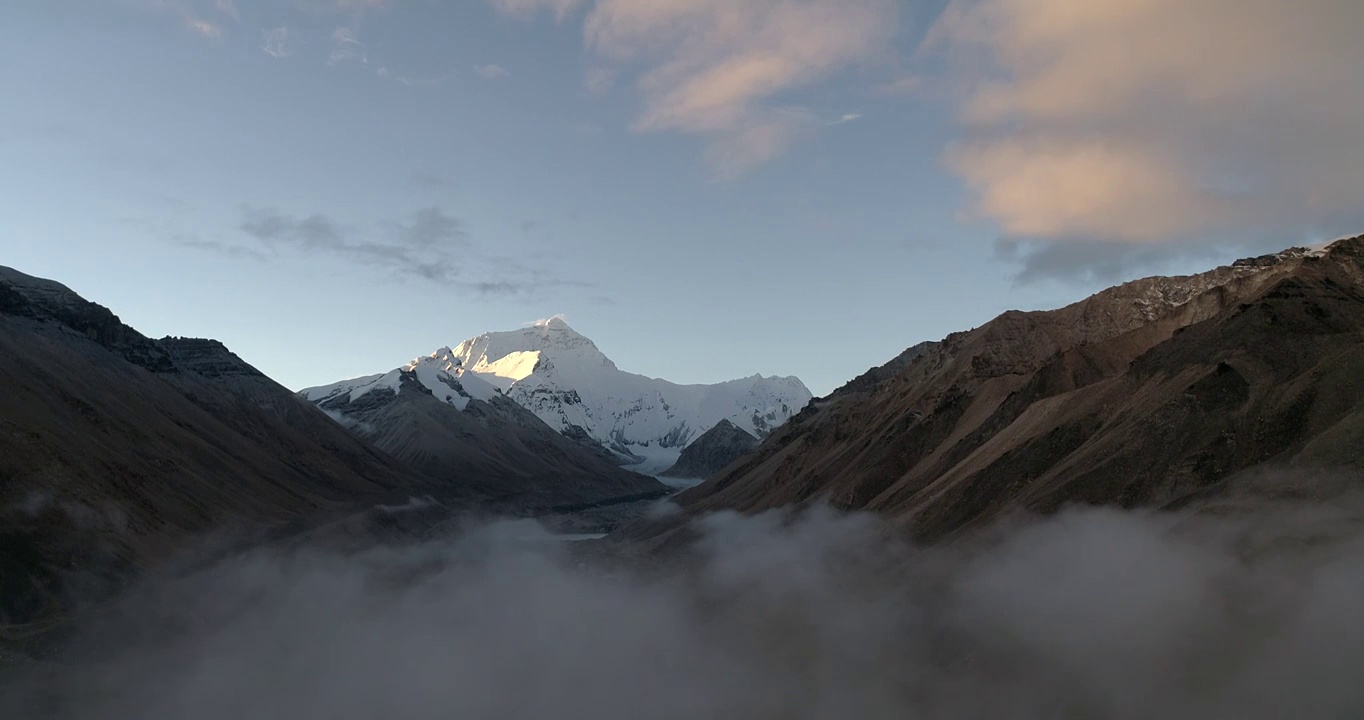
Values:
[(706, 189)]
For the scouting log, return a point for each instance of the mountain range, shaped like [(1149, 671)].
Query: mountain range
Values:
[(116, 450), (566, 381), (1159, 392)]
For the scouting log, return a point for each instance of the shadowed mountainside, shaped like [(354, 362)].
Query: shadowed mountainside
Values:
[(1152, 393), (115, 449), (712, 451), (496, 444)]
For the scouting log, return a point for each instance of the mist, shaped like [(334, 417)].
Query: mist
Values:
[(1086, 614)]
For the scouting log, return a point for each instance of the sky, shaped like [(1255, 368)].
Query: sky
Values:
[(708, 189)]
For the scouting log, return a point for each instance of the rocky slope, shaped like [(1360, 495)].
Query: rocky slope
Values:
[(566, 381), (713, 451), (1151, 393)]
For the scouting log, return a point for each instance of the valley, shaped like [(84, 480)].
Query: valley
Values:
[(1167, 455)]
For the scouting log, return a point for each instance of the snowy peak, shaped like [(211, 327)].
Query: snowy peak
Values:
[(504, 358), (440, 373), (555, 323), (569, 383)]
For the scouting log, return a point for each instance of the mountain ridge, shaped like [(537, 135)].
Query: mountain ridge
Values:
[(1138, 395), (565, 380), (119, 452)]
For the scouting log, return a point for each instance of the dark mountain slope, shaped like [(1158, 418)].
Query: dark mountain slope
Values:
[(710, 453), (115, 449), (1148, 393), (111, 454), (497, 445)]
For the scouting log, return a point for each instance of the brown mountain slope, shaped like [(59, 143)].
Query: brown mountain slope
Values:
[(1144, 394)]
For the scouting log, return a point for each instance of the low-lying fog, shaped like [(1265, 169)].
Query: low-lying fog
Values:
[(1088, 614)]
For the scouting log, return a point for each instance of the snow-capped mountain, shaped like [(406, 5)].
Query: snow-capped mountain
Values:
[(564, 379)]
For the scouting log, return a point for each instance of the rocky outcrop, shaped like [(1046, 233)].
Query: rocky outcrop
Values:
[(1147, 394), (715, 449), (206, 358), (40, 299)]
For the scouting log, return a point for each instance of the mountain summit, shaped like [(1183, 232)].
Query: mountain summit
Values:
[(565, 380)]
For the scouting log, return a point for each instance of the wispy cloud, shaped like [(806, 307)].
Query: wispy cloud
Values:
[(713, 68), (425, 247), (204, 27), (428, 245), (492, 72), (430, 228), (845, 118), (276, 42), (223, 248), (541, 322), (194, 14), (346, 47), (716, 68)]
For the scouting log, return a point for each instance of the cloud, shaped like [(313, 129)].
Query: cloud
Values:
[(1101, 263), (430, 228), (715, 68), (228, 249), (528, 9), (346, 47), (192, 13), (756, 139), (276, 42), (427, 246), (544, 321), (1157, 121), (1091, 613), (492, 72), (846, 118), (204, 27)]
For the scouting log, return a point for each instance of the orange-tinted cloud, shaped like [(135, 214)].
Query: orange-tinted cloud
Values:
[(1157, 120), (714, 67)]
